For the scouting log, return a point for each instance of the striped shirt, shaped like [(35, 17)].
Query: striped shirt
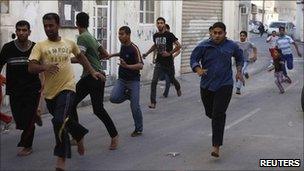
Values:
[(284, 43)]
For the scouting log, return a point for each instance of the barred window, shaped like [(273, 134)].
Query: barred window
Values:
[(146, 12)]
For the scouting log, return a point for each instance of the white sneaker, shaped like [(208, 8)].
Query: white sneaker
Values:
[(270, 67)]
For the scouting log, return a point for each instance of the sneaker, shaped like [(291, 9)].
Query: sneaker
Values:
[(136, 133), (238, 91), (246, 75), (270, 67)]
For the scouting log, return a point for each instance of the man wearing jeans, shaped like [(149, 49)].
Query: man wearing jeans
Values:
[(211, 60), (283, 43), (128, 84)]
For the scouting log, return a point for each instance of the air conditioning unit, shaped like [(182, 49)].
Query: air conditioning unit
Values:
[(244, 10)]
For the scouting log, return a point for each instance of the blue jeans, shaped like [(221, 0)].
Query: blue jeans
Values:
[(129, 90), (244, 70), (288, 60), (165, 77)]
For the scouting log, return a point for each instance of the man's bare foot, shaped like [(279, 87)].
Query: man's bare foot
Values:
[(80, 147), (114, 143), (60, 165), (152, 106), (216, 151), (25, 151)]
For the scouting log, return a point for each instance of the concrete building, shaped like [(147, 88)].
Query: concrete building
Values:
[(286, 10), (264, 11), (189, 21), (300, 21)]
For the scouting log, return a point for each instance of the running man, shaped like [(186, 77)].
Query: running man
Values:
[(247, 47), (163, 43), (88, 85), (127, 87), (211, 60), (272, 39), (21, 86), (284, 43), (52, 57)]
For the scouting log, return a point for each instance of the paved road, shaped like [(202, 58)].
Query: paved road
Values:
[(261, 123)]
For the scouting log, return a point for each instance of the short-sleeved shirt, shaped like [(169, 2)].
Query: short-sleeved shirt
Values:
[(272, 41), (89, 46), (131, 55), (247, 47), (49, 52), (284, 43), (278, 64), (164, 42), (18, 79)]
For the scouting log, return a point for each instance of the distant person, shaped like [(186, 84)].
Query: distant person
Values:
[(163, 75), (212, 61), (166, 45), (278, 63), (272, 39), (247, 47), (261, 29), (284, 43)]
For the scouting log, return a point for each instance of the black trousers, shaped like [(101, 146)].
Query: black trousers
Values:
[(60, 107), (95, 88), (216, 104), (158, 71), (24, 110)]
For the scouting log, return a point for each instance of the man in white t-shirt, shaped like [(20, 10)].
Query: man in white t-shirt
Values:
[(284, 43), (272, 44)]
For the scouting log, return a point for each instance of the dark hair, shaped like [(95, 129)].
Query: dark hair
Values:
[(82, 19), (282, 28), (126, 29), (210, 28), (273, 31), (167, 26), (219, 25), (23, 23), (13, 35), (50, 16), (244, 32), (161, 18)]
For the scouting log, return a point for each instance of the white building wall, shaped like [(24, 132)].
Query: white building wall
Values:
[(231, 18), (300, 21)]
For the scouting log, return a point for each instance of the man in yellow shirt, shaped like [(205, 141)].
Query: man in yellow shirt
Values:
[(52, 57)]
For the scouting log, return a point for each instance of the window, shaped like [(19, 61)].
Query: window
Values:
[(4, 6), (68, 11), (146, 12)]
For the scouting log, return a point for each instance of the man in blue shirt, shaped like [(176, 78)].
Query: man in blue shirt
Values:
[(211, 60)]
